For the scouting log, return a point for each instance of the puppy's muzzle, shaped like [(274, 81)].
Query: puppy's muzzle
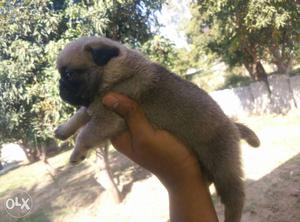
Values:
[(70, 93)]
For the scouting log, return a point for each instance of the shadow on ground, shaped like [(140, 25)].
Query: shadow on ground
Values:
[(275, 197), (68, 189), (126, 172)]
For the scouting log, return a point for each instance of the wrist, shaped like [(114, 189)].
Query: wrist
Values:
[(184, 181), (191, 201)]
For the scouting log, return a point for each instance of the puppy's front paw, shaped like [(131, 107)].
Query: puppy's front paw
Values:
[(61, 133)]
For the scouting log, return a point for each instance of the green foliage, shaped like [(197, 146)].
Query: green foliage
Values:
[(32, 33), (161, 50), (233, 81), (244, 32)]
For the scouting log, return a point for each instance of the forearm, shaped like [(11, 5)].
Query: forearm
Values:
[(191, 202)]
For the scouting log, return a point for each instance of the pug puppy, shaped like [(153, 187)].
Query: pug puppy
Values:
[(91, 66)]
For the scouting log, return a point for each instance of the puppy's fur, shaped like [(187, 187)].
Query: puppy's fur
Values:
[(91, 66)]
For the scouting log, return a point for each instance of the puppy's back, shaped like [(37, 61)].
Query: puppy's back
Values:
[(174, 103)]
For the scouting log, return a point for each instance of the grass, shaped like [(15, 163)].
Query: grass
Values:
[(283, 130), (55, 188), (29, 174)]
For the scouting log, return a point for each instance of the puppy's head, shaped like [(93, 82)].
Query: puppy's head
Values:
[(88, 65)]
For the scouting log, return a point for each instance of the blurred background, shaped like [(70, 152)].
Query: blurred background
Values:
[(245, 53)]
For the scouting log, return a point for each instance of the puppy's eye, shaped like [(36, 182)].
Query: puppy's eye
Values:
[(68, 75)]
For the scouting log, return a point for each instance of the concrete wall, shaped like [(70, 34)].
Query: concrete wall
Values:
[(256, 99), (295, 86)]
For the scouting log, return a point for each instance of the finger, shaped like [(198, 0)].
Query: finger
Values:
[(131, 112)]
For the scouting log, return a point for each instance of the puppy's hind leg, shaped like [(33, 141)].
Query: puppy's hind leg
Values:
[(227, 178), (231, 191), (85, 140)]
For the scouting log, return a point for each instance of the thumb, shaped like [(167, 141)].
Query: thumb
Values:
[(130, 111)]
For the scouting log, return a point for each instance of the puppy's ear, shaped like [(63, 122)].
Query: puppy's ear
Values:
[(102, 55)]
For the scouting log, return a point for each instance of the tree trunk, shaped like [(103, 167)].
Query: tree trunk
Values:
[(32, 154), (106, 178), (254, 66), (282, 60), (260, 72), (43, 154), (283, 67), (257, 72)]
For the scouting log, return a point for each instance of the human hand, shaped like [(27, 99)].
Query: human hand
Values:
[(154, 149), (168, 158)]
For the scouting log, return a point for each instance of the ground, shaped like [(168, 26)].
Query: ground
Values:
[(63, 193)]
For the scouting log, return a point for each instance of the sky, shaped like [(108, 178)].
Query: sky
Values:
[(172, 16)]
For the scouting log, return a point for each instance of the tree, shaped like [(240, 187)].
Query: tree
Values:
[(29, 98), (161, 50), (31, 34), (278, 23), (246, 32)]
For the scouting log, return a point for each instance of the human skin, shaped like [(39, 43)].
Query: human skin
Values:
[(166, 157)]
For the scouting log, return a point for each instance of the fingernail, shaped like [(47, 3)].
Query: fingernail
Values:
[(110, 101)]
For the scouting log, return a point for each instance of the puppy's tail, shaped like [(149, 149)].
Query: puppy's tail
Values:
[(248, 135)]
